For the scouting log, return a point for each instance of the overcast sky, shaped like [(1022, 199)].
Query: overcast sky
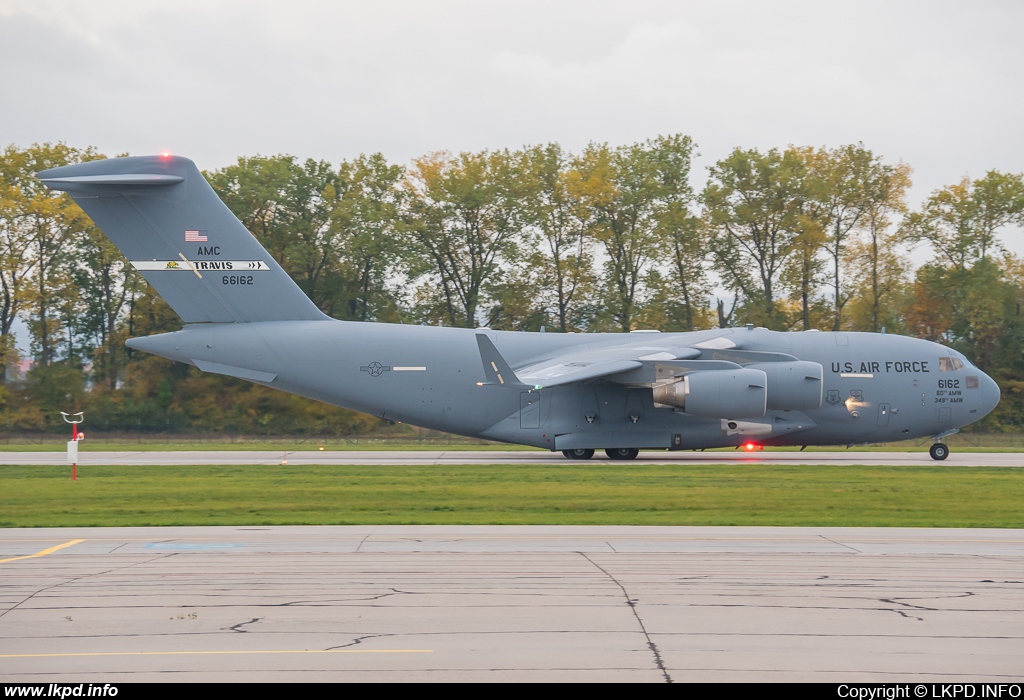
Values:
[(935, 84)]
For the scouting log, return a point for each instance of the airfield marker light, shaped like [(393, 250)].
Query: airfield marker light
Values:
[(73, 442)]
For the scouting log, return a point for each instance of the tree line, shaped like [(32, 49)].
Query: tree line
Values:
[(612, 238)]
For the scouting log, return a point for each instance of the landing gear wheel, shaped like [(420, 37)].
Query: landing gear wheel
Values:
[(938, 451), (622, 453), (578, 454)]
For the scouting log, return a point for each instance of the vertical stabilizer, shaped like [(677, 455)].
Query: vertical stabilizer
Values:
[(166, 219)]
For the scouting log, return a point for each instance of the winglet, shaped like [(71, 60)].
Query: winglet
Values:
[(496, 370)]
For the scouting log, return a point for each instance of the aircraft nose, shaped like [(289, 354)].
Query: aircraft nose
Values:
[(989, 394)]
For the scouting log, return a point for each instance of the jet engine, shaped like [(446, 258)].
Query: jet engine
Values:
[(727, 393), (792, 386)]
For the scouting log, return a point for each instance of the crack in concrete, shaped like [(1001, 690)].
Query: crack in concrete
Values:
[(905, 614), (33, 594), (632, 606), (911, 606), (840, 544), (893, 601), (240, 625), (359, 640), (362, 541), (342, 601), (73, 579)]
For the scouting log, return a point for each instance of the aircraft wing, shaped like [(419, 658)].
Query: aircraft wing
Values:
[(575, 365), (555, 372), (641, 363)]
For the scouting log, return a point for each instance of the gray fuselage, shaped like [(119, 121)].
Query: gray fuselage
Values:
[(876, 387)]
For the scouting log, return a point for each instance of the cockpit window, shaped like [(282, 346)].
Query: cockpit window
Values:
[(950, 364)]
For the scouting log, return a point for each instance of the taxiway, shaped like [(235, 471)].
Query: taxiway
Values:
[(455, 457), (402, 603)]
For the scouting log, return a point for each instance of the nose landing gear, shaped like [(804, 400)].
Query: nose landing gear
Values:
[(938, 451)]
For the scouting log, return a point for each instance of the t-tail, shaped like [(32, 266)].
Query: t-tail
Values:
[(166, 219)]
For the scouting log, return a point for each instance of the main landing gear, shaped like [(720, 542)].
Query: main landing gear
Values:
[(938, 451), (617, 453)]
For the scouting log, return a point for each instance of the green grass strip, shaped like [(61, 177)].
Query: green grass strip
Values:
[(570, 494)]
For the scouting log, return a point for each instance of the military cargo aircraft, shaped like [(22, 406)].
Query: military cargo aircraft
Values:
[(746, 387)]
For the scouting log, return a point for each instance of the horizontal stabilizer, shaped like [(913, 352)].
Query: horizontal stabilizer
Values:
[(80, 182), (239, 372)]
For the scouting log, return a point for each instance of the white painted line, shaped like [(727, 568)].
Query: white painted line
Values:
[(202, 265)]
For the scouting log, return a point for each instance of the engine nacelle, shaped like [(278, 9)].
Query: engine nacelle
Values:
[(727, 393), (793, 386)]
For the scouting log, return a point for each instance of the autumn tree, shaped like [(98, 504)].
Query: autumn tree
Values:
[(752, 208), (464, 220), (564, 261), (38, 226), (960, 221), (685, 288), (283, 203), (366, 202), (878, 268), (631, 191), (843, 180), (108, 284)]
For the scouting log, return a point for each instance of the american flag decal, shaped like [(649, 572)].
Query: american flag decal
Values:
[(195, 236)]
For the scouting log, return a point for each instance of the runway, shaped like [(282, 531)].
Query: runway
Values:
[(456, 457), (459, 603)]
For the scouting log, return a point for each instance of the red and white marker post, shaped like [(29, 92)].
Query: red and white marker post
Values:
[(73, 442)]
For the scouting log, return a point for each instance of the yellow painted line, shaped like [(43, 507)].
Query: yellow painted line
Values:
[(43, 553), (211, 653)]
